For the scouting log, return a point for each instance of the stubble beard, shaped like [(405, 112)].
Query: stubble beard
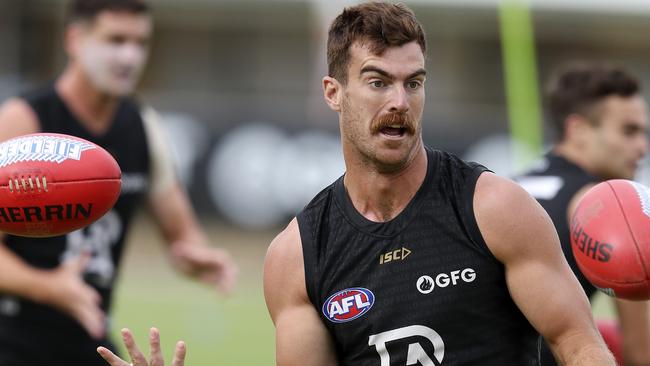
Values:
[(368, 154)]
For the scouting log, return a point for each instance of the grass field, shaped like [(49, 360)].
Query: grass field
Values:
[(218, 331)]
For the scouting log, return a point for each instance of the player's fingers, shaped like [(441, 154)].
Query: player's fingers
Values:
[(136, 356), (110, 357), (179, 354), (156, 357)]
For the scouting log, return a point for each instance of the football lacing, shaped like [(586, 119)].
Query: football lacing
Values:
[(26, 184)]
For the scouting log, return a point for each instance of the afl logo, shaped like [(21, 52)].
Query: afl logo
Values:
[(348, 304)]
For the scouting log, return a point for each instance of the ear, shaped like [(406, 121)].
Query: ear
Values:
[(577, 128), (332, 91)]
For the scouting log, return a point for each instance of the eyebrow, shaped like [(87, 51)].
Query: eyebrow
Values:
[(386, 74)]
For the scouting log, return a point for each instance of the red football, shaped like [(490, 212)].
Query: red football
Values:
[(51, 184), (610, 238)]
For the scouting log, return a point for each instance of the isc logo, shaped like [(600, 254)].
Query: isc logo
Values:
[(348, 304), (396, 254)]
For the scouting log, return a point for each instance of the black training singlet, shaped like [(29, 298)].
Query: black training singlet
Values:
[(423, 287), (554, 181), (33, 334)]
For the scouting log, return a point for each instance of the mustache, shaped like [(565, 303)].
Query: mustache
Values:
[(387, 120)]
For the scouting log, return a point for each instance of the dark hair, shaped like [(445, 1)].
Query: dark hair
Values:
[(577, 89), (379, 25), (87, 10)]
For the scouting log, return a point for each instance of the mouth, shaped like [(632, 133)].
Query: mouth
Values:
[(123, 74), (393, 131)]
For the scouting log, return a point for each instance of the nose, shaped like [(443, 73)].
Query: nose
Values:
[(399, 102)]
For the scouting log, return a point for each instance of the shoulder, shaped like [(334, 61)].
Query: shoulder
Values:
[(285, 251), (285, 247), (494, 193), (284, 280), (509, 219), (17, 118)]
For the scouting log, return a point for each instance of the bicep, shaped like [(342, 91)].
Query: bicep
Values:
[(301, 337), (522, 236)]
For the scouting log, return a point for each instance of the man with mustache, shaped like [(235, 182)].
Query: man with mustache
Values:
[(413, 257), (55, 293), (601, 124)]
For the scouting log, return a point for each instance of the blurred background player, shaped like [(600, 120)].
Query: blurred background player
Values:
[(601, 122), (56, 292)]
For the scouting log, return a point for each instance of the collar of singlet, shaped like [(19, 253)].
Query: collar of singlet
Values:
[(397, 224)]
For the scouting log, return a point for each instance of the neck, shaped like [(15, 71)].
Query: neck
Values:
[(574, 154), (93, 108), (379, 196)]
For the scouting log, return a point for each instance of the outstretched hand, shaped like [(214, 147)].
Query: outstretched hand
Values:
[(137, 358)]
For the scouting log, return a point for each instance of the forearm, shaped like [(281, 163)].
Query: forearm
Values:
[(593, 355), (175, 217), (20, 279)]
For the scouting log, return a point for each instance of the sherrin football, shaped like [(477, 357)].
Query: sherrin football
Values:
[(610, 238), (51, 184)]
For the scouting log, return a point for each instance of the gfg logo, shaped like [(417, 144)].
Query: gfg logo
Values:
[(425, 284)]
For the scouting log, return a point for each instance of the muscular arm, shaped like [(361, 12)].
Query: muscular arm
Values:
[(521, 235), (301, 338)]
